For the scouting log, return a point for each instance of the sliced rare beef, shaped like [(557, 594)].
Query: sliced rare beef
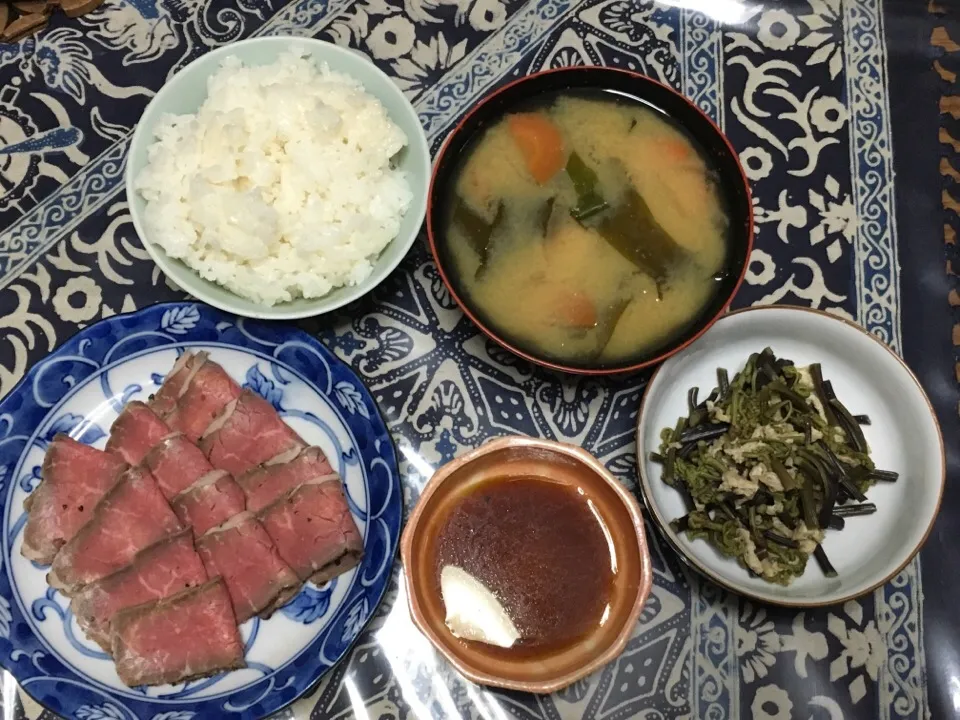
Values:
[(248, 432), (135, 432), (208, 392), (176, 381), (212, 500), (241, 552), (74, 478), (267, 483), (161, 570), (190, 635), (314, 531), (130, 517), (176, 464)]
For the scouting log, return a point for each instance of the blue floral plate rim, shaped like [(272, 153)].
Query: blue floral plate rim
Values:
[(61, 685)]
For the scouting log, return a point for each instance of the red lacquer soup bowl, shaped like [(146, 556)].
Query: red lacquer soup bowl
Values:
[(719, 156)]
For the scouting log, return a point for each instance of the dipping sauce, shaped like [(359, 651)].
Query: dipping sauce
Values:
[(541, 548)]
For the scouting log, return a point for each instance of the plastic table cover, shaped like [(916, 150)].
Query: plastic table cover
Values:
[(846, 117)]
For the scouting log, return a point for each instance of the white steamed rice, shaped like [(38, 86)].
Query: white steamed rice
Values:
[(281, 185)]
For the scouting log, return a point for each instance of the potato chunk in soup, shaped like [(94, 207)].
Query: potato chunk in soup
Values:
[(586, 229)]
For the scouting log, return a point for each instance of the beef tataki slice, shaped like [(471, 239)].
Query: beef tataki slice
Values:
[(130, 517), (206, 395), (314, 531), (212, 500), (268, 483), (74, 479), (176, 381), (176, 464), (161, 570), (135, 432), (25, 25), (241, 552), (190, 635), (248, 433)]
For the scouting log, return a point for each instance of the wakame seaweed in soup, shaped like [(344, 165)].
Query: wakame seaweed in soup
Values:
[(586, 228)]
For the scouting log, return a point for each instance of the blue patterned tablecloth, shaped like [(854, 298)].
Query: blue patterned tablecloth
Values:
[(802, 88)]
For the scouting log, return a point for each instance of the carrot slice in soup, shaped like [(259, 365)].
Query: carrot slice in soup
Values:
[(576, 311), (676, 150), (540, 144)]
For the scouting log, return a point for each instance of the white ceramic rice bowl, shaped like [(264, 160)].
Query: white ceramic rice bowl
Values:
[(186, 91)]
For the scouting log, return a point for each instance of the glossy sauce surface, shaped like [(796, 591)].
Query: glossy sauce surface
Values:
[(541, 548)]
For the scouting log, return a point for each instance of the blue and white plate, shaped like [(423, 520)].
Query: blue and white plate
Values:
[(79, 389)]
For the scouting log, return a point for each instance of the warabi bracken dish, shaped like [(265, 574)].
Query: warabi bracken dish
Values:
[(868, 379), (767, 463)]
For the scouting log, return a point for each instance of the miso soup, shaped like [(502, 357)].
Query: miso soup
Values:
[(586, 229)]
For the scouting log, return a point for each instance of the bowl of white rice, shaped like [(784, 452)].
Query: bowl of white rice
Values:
[(278, 177)]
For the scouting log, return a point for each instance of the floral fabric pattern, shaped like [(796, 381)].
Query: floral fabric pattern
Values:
[(800, 89)]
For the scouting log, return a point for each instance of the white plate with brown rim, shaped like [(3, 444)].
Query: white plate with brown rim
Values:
[(904, 436)]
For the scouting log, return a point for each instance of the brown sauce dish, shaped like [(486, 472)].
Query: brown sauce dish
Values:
[(526, 564)]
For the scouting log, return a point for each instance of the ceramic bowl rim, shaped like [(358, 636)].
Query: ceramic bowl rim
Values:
[(691, 561), (602, 656), (317, 306), (492, 334)]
